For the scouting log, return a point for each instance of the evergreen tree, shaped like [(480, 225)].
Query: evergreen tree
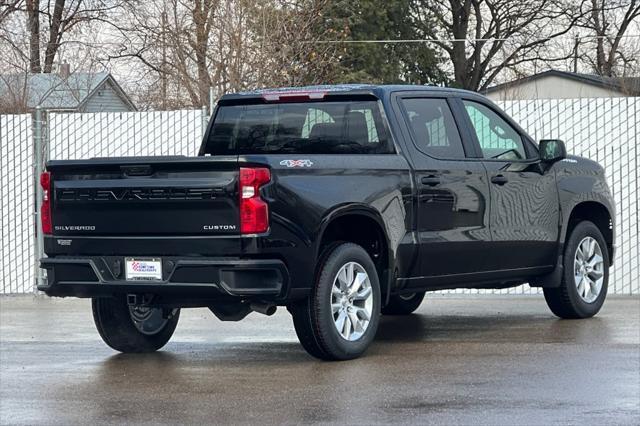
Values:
[(415, 63)]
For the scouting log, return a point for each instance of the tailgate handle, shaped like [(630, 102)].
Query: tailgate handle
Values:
[(136, 170)]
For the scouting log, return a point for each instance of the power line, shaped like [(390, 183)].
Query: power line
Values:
[(382, 41), (452, 40)]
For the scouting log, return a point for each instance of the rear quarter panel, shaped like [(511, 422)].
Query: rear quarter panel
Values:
[(306, 196)]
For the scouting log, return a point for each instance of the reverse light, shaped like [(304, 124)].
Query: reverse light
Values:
[(254, 211), (45, 208)]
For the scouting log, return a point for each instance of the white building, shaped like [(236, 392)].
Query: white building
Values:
[(564, 85), (63, 92)]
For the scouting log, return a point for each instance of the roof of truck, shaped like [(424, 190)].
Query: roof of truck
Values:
[(375, 89)]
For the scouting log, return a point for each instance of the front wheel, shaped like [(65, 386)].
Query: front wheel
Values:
[(339, 319), (133, 328), (585, 276)]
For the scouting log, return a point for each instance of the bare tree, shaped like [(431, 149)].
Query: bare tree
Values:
[(175, 43), (187, 47), (7, 7), (609, 22), (287, 32), (14, 93), (485, 37), (61, 18), (33, 25), (14, 45)]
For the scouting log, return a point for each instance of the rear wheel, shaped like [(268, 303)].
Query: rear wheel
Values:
[(585, 276), (403, 304), (133, 328), (339, 319)]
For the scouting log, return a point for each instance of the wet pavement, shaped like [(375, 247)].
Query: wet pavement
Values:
[(458, 360)]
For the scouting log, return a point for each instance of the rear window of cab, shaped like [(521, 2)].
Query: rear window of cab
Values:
[(328, 127)]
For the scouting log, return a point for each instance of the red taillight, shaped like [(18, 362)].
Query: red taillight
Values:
[(45, 209), (254, 212)]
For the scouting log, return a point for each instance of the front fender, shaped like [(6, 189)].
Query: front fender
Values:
[(581, 180)]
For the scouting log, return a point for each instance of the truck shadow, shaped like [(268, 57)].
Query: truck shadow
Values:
[(416, 330), (510, 328)]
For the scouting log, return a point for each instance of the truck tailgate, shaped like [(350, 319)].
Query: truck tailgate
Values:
[(145, 196)]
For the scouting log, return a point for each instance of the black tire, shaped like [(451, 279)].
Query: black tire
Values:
[(564, 301), (116, 327), (313, 318), (403, 304)]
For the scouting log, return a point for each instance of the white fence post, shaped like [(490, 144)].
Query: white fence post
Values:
[(205, 119), (39, 158), (212, 100)]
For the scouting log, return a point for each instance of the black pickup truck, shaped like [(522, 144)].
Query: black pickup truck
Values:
[(341, 203)]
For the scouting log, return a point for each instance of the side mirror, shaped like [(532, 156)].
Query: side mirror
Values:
[(552, 150)]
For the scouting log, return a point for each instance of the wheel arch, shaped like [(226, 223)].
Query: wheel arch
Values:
[(354, 224), (595, 212)]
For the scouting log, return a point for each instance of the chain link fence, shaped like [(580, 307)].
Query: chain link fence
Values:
[(605, 130), (17, 221), (86, 135), (29, 140)]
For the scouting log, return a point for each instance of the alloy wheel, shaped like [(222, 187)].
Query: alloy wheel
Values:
[(351, 301), (588, 269)]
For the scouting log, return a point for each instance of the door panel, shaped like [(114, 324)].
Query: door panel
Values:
[(524, 199), (453, 217), (452, 193), (524, 215)]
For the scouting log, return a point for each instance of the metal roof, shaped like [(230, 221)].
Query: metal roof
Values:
[(628, 85)]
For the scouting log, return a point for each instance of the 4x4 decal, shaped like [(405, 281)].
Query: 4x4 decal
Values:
[(296, 163)]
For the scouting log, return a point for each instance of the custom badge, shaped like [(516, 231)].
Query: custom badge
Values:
[(296, 163)]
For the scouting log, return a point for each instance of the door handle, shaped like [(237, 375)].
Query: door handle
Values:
[(499, 180), (431, 180)]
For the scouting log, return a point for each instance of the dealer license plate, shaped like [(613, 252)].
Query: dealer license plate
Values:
[(149, 269)]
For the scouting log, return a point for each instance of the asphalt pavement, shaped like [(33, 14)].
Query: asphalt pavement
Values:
[(492, 360)]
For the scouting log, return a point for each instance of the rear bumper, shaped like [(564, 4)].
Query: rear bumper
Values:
[(183, 278)]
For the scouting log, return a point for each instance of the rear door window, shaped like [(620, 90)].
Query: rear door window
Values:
[(433, 126), (344, 127)]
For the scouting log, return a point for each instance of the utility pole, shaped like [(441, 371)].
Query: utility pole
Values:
[(575, 54), (163, 72)]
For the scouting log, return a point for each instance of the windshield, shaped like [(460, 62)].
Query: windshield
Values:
[(307, 127)]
